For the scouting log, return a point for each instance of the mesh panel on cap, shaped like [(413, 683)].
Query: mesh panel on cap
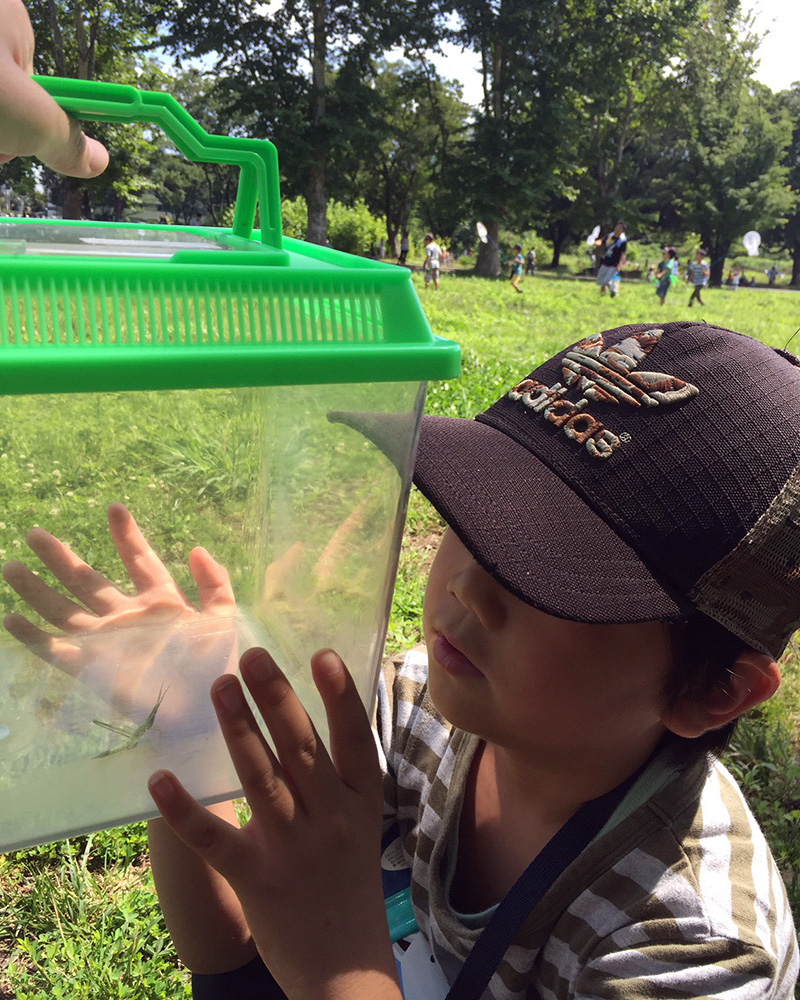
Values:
[(754, 591)]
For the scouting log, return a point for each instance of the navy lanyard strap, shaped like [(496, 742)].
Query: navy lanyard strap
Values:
[(575, 835)]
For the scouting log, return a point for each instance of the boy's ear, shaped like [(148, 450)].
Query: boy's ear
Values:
[(753, 678)]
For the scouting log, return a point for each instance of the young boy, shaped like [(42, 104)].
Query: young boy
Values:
[(618, 578), (697, 272)]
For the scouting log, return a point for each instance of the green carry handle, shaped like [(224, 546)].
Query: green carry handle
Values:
[(93, 100)]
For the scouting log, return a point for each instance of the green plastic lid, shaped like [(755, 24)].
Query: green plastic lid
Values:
[(94, 307)]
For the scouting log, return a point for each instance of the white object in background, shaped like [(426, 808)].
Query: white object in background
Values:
[(752, 241)]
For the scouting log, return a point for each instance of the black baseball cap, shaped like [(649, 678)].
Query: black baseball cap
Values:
[(639, 474)]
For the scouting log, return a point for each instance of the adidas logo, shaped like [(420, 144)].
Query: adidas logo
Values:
[(605, 376)]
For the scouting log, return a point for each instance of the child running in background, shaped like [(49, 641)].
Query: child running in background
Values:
[(667, 270), (516, 267), (612, 593), (697, 272)]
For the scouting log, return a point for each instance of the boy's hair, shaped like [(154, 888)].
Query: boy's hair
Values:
[(517, 246), (648, 473)]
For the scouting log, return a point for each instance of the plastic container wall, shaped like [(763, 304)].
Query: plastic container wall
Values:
[(299, 491)]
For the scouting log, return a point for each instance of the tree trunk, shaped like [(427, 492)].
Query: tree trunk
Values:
[(795, 264), (316, 197), (559, 234), (72, 193), (718, 255), (316, 201), (488, 262)]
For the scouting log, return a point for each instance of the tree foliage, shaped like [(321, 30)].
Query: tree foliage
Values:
[(99, 40), (590, 110), (732, 177)]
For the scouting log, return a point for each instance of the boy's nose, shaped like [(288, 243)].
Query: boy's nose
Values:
[(477, 591)]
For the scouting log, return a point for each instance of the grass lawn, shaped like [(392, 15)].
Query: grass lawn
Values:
[(79, 919)]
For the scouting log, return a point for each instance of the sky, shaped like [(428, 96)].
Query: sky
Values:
[(778, 20)]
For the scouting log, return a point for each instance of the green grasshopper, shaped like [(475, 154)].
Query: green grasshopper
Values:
[(132, 736)]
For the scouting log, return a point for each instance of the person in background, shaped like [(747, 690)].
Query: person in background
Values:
[(667, 271), (614, 247), (530, 262), (516, 268), (697, 272), (403, 247), (430, 267)]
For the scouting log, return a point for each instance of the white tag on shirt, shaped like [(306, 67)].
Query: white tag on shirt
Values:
[(423, 978)]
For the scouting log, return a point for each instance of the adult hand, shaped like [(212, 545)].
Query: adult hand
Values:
[(306, 866), (31, 123), (173, 638)]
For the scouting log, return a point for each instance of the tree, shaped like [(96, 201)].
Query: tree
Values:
[(564, 91), (732, 179), (89, 40), (412, 119), (284, 66), (789, 235)]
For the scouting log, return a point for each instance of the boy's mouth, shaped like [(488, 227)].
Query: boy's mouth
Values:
[(452, 660)]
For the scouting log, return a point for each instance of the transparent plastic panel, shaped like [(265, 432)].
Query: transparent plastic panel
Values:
[(299, 492), (86, 240)]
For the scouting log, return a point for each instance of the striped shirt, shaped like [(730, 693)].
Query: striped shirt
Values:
[(678, 896), (697, 273)]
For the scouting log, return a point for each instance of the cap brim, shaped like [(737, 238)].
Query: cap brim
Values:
[(530, 531)]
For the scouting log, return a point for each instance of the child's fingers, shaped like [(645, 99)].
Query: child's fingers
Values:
[(83, 582), (302, 755), (52, 606), (265, 787), (353, 749), (209, 836), (213, 583)]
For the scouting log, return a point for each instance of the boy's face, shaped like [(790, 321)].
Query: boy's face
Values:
[(533, 683)]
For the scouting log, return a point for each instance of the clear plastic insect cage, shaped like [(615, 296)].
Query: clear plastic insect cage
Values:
[(253, 402)]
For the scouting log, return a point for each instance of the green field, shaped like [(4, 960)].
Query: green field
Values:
[(79, 919)]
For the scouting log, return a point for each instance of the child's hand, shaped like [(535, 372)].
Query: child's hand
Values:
[(306, 866), (95, 642), (31, 123)]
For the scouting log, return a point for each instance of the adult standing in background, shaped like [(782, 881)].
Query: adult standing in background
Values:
[(403, 247), (433, 253), (530, 262), (614, 247)]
